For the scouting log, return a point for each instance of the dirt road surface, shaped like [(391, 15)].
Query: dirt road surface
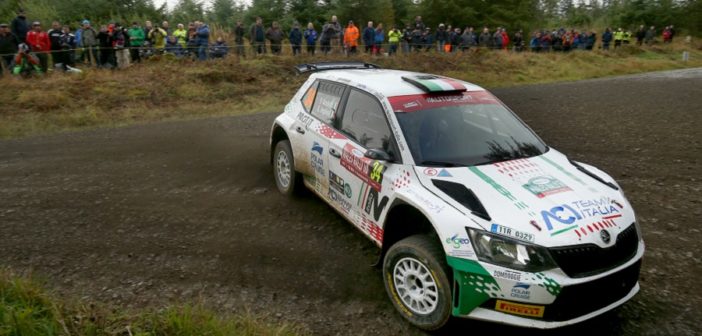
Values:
[(182, 211)]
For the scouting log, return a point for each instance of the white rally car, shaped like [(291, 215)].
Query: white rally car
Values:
[(476, 217)]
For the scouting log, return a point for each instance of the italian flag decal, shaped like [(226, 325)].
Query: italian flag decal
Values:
[(435, 84)]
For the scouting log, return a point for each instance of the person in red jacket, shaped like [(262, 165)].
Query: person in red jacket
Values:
[(505, 39), (38, 41)]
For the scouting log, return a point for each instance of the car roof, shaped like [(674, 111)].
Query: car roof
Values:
[(388, 82)]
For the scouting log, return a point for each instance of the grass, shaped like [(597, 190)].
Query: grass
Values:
[(27, 309), (166, 89)]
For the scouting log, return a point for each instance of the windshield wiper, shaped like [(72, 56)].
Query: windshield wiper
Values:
[(441, 163)]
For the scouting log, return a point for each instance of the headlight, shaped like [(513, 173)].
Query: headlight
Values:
[(511, 253)]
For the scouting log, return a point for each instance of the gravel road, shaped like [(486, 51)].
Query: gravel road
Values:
[(182, 211)]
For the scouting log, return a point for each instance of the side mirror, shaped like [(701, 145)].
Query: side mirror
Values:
[(378, 154)]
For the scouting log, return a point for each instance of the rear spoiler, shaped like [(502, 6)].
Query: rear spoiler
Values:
[(322, 66)]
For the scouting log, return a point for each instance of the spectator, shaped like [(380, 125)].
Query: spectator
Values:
[(219, 48), (239, 33), (157, 37), (119, 44), (416, 43), (325, 38), (351, 38), (369, 37), (428, 39), (136, 41), (68, 44), (640, 35), (618, 38), (627, 37), (337, 39), (606, 38), (650, 35), (55, 40), (518, 41), (485, 39), (379, 39), (173, 47), (672, 33), (394, 36), (181, 35), (407, 39), (442, 36), (295, 39), (419, 24), (167, 28), (8, 47), (275, 38), (666, 35), (310, 38), (497, 39), (90, 43), (191, 45), (535, 42), (104, 37), (19, 26), (258, 37), (25, 62), (591, 39), (203, 40), (79, 45), (148, 27), (505, 39), (38, 42)]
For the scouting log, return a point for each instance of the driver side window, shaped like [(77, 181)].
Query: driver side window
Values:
[(364, 122)]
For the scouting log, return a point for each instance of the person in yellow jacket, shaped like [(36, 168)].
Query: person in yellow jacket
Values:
[(394, 36), (618, 37), (158, 36), (182, 35), (351, 35), (627, 37)]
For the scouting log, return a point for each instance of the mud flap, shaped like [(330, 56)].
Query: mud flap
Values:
[(472, 285)]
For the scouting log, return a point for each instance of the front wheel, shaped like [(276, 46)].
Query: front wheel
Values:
[(415, 276), (287, 179)]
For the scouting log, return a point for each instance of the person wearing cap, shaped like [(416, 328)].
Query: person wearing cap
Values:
[(8, 47), (351, 38), (442, 36), (39, 43), (90, 44), (136, 41), (19, 26)]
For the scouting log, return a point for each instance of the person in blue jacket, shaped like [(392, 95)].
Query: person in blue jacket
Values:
[(311, 38), (369, 37), (606, 38), (295, 39), (219, 49), (379, 39), (203, 38)]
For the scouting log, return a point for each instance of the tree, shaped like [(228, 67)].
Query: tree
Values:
[(222, 13), (187, 11)]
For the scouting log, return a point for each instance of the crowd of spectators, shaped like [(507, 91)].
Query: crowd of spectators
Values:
[(26, 46)]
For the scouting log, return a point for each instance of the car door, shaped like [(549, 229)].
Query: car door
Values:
[(355, 180), (320, 104)]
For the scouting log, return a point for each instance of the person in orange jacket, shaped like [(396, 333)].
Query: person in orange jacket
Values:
[(38, 41), (351, 35)]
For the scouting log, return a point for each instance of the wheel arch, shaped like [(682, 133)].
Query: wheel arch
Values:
[(404, 220), (277, 134)]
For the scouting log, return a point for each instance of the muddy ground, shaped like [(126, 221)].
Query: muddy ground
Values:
[(182, 211)]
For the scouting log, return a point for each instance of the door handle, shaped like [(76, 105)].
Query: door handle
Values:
[(335, 153), (300, 130)]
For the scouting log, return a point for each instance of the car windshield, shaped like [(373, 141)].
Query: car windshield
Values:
[(466, 129)]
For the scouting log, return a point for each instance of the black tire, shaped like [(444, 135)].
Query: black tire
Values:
[(425, 250), (293, 183)]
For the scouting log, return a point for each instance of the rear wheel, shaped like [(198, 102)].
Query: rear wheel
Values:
[(415, 276), (287, 179)]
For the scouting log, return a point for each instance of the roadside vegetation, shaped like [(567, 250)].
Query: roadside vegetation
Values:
[(167, 89), (27, 309)]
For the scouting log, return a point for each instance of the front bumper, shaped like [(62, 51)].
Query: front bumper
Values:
[(540, 300)]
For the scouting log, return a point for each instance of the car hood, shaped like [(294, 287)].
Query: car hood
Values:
[(545, 200)]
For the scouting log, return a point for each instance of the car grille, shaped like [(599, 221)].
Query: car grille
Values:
[(579, 261), (578, 300)]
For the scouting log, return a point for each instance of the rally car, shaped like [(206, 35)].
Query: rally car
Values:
[(474, 214)]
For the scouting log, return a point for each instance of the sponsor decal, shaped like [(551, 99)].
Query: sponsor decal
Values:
[(316, 159), (369, 171), (375, 231), (305, 119), (507, 231), (342, 203), (519, 308), (573, 213), (413, 103), (521, 291), (430, 171), (457, 241), (329, 132), (565, 171), (542, 186), (444, 173), (428, 204), (373, 204), (500, 189), (402, 180), (509, 275), (336, 182)]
